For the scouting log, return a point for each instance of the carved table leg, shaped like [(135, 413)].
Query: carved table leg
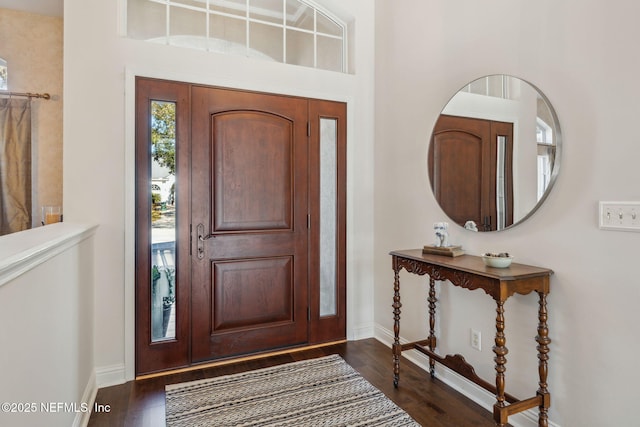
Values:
[(432, 324), (543, 356), (500, 351), (397, 350)]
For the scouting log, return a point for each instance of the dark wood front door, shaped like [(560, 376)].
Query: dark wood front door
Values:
[(463, 165), (254, 258), (249, 205)]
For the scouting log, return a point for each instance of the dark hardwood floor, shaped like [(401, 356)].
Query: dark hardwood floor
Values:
[(430, 402)]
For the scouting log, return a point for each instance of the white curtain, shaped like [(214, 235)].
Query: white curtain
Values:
[(15, 165)]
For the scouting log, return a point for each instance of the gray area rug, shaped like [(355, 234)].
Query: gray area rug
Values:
[(317, 392)]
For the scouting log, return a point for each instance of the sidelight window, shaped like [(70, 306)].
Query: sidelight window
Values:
[(162, 147), (328, 216)]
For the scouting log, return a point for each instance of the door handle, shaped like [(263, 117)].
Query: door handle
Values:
[(487, 223), (201, 238)]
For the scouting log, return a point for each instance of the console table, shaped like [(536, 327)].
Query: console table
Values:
[(469, 272)]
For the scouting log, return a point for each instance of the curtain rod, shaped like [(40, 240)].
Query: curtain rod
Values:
[(27, 94)]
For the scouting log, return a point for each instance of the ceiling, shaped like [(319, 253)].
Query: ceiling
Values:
[(42, 7)]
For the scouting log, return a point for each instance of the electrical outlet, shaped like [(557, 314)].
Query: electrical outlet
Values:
[(476, 339)]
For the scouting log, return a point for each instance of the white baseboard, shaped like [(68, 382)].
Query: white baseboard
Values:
[(482, 397), (88, 397), (107, 376), (361, 331)]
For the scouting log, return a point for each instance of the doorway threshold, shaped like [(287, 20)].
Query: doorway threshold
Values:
[(238, 359)]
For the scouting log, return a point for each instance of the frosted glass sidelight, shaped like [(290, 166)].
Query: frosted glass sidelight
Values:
[(328, 216)]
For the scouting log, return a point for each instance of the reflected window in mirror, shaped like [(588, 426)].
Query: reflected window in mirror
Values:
[(494, 152), (501, 181), (3, 74), (546, 151), (497, 86)]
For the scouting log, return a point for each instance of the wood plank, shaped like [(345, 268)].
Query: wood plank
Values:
[(429, 401)]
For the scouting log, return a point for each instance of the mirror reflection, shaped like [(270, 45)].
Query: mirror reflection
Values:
[(3, 74), (494, 153)]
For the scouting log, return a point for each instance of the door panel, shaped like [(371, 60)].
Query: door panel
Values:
[(458, 157), (252, 163), (250, 288), (264, 286), (463, 169)]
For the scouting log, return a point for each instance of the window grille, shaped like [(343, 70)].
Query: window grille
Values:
[(288, 31)]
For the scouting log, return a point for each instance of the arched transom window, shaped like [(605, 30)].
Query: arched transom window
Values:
[(289, 31)]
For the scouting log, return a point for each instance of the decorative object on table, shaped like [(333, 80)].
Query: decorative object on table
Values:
[(497, 260), (442, 234), (452, 251), (324, 391), (442, 246), (471, 226)]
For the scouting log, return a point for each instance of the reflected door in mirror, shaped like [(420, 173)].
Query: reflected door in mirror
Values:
[(525, 164), (470, 170)]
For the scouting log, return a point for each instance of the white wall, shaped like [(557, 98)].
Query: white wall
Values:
[(583, 56), (99, 66), (46, 326)]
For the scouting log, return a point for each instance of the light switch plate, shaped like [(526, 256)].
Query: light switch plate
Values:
[(622, 216)]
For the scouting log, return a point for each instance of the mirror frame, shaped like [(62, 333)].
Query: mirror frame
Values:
[(557, 141)]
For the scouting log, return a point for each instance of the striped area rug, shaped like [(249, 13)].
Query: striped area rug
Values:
[(319, 392)]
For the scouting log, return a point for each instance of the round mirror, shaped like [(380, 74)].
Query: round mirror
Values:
[(494, 153)]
